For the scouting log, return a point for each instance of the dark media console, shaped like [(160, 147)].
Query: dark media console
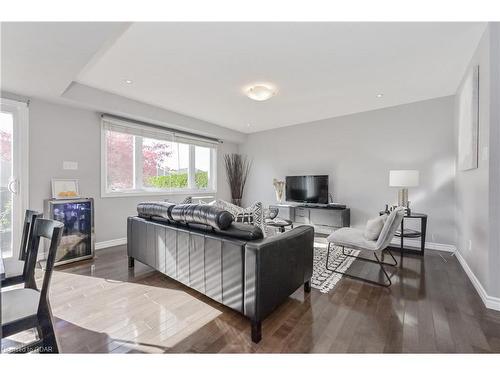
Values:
[(310, 195), (324, 218)]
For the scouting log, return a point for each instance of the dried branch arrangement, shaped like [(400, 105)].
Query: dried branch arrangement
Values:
[(237, 170)]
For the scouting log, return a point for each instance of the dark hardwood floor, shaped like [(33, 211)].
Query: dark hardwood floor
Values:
[(103, 306)]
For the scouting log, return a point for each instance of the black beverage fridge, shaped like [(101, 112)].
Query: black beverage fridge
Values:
[(78, 240)]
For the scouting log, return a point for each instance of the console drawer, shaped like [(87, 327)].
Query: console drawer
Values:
[(302, 215)]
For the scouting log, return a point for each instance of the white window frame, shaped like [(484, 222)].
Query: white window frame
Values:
[(144, 191), (20, 112)]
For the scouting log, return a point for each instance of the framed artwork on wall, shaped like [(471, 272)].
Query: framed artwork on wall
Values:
[(65, 188), (468, 121)]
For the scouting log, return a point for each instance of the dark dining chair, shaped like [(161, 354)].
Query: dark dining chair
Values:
[(17, 271), (28, 308)]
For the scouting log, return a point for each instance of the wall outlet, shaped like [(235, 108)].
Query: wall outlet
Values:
[(470, 245), (433, 237), (70, 165)]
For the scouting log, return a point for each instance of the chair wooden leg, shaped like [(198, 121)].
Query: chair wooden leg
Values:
[(49, 340), (46, 326), (130, 262)]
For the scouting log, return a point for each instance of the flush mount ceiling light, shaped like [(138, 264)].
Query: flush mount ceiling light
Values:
[(260, 91), (380, 95), (128, 81)]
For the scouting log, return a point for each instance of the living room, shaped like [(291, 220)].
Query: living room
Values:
[(222, 187)]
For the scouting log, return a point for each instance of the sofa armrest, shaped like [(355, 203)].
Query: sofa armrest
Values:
[(274, 268)]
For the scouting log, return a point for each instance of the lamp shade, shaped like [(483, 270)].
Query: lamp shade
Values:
[(403, 178)]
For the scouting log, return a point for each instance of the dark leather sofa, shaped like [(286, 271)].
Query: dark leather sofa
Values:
[(201, 247)]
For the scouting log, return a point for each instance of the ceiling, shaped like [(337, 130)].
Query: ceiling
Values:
[(322, 70), (42, 58)]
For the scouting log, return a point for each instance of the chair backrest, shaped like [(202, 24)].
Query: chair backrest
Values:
[(29, 222), (28, 276), (51, 230), (390, 227)]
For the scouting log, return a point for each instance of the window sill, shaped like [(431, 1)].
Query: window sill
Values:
[(144, 193)]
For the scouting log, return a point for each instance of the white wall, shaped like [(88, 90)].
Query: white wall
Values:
[(103, 101), (357, 152), (472, 186), (494, 261), (60, 132), (478, 190)]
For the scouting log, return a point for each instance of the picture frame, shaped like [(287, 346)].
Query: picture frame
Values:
[(468, 121), (65, 188)]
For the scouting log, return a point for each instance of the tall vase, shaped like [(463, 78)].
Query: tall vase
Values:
[(279, 189), (236, 201), (279, 196)]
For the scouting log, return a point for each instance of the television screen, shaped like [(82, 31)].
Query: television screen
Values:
[(307, 189)]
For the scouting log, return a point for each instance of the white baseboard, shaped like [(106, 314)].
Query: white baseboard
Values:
[(110, 243), (489, 301), (428, 245)]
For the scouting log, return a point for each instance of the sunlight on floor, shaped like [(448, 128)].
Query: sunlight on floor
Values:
[(132, 315), (320, 242)]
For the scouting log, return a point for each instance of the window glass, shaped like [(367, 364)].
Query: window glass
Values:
[(136, 163), (119, 161)]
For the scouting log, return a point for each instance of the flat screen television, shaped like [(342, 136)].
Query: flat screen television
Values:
[(307, 189)]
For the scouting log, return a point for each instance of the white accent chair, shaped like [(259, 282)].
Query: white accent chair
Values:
[(353, 238)]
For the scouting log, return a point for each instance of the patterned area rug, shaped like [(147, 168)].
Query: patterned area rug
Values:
[(323, 279)]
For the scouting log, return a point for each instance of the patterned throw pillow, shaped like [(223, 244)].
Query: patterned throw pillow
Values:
[(253, 215)]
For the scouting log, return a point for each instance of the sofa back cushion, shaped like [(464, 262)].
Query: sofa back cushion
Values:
[(158, 209), (242, 232), (202, 214)]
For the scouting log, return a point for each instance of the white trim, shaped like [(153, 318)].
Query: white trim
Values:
[(396, 241), (138, 162), (213, 169), (104, 162), (489, 301), (20, 112), (158, 193), (110, 243), (192, 167)]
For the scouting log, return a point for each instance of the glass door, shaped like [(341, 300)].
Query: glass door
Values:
[(13, 174)]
